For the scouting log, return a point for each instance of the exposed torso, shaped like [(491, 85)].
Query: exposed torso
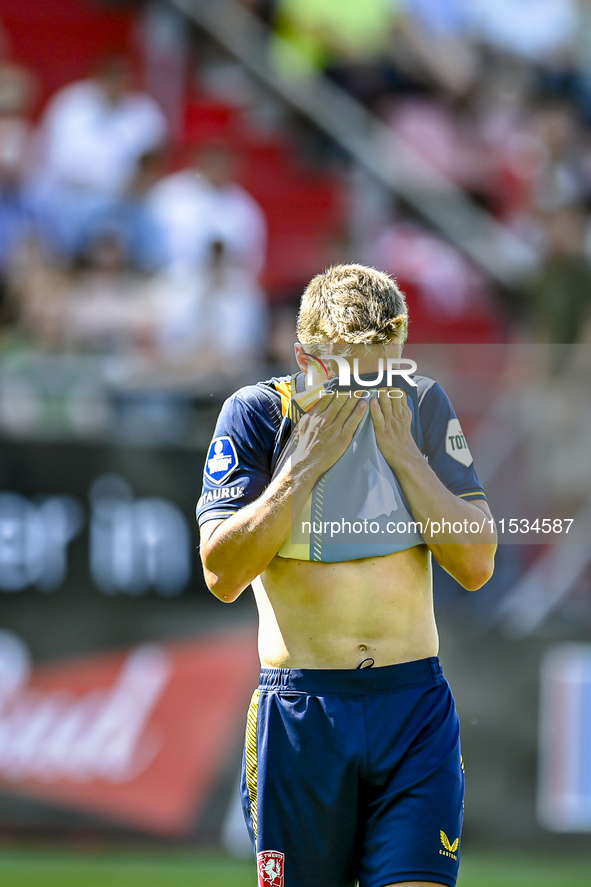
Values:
[(318, 608), (321, 615)]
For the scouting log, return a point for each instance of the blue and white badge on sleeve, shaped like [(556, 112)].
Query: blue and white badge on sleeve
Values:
[(221, 460)]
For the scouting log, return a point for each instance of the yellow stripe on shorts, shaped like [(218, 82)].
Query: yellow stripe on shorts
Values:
[(251, 757)]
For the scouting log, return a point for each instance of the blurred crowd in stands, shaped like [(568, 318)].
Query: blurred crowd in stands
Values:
[(496, 94), (107, 248), (99, 250)]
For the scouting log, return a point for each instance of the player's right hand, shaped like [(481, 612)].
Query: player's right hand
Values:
[(326, 431)]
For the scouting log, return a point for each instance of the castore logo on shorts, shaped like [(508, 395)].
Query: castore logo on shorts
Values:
[(450, 849)]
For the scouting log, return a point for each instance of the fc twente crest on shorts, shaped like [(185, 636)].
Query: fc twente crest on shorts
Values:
[(270, 864)]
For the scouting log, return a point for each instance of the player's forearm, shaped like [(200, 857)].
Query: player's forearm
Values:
[(242, 546), (471, 564), (467, 552)]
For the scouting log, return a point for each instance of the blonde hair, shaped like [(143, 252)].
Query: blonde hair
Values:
[(352, 304)]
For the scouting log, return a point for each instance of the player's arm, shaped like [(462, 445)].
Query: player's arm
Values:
[(468, 556), (236, 550)]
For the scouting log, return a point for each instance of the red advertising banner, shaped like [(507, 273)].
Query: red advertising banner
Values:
[(138, 736)]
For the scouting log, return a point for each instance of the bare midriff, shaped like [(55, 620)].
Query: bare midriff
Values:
[(320, 615)]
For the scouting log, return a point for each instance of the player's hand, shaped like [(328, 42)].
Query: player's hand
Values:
[(392, 420), (326, 431)]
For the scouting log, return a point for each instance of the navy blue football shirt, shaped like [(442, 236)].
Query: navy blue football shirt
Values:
[(360, 492)]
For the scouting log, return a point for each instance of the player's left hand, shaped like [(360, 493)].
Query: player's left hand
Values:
[(392, 420)]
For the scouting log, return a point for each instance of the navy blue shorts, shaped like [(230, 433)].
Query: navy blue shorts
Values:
[(354, 774)]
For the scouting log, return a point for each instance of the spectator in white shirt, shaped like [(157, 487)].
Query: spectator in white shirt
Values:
[(218, 323), (93, 134), (203, 204)]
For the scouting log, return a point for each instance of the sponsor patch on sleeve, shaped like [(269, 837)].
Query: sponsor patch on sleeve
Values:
[(456, 445), (221, 460), (220, 494)]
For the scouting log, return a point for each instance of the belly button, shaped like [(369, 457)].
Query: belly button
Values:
[(362, 648)]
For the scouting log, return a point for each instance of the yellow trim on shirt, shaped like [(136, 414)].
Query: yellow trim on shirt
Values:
[(299, 550), (251, 758), (284, 389)]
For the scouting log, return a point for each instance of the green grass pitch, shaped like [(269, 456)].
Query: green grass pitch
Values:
[(43, 868)]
